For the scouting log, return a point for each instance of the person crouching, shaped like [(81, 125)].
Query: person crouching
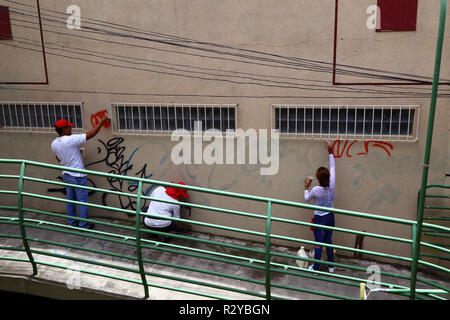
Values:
[(164, 209)]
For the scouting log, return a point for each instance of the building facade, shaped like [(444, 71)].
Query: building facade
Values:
[(345, 71)]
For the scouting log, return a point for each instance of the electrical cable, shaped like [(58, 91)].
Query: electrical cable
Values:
[(123, 35), (289, 87), (176, 74), (353, 89), (174, 38)]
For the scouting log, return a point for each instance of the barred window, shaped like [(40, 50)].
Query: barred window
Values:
[(391, 123), (38, 116), (162, 119)]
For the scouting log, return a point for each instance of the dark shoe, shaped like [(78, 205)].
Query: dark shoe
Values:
[(149, 236), (88, 226), (183, 227), (74, 225), (163, 239)]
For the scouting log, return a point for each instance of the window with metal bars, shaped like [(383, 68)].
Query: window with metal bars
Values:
[(354, 122), (154, 119), (38, 117)]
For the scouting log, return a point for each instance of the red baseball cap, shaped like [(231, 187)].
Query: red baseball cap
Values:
[(177, 193), (63, 123), (183, 191)]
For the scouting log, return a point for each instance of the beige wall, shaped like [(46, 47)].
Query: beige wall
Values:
[(376, 183)]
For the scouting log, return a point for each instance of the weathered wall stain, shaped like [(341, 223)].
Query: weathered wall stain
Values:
[(397, 165), (387, 193)]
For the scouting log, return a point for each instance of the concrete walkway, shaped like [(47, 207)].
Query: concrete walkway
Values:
[(69, 283)]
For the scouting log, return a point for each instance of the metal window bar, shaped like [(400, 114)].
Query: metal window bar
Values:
[(373, 121), (213, 121), (10, 118), (346, 119), (140, 124), (4, 117), (132, 119), (176, 122), (337, 124), (160, 119), (364, 123), (304, 122), (390, 126), (321, 122), (42, 117), (409, 119), (17, 118), (206, 123), (168, 118), (23, 118), (329, 123)]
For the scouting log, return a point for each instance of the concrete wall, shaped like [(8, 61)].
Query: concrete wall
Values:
[(378, 182)]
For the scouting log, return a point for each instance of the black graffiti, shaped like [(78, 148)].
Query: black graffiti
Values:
[(113, 156)]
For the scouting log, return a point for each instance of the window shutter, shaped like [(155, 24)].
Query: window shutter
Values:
[(5, 24), (398, 15)]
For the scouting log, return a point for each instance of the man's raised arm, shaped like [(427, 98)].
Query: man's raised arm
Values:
[(93, 132)]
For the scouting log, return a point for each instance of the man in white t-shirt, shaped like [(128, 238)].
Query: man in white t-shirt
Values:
[(66, 149), (165, 209)]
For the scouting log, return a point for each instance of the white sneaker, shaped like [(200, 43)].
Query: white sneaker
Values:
[(331, 269), (312, 269)]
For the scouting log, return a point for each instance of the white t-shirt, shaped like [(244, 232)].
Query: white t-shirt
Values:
[(161, 208), (324, 197), (67, 149)]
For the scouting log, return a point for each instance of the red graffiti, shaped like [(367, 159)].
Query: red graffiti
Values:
[(341, 148), (96, 118), (379, 144)]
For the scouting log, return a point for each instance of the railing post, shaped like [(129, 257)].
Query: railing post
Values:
[(428, 142), (268, 232), (414, 262), (138, 239), (21, 219)]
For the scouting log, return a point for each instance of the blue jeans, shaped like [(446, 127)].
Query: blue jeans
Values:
[(76, 194), (324, 236)]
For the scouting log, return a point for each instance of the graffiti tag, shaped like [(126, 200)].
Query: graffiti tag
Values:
[(114, 157), (97, 117), (341, 148)]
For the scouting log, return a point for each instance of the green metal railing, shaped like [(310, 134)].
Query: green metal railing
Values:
[(428, 143), (442, 218), (261, 261)]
